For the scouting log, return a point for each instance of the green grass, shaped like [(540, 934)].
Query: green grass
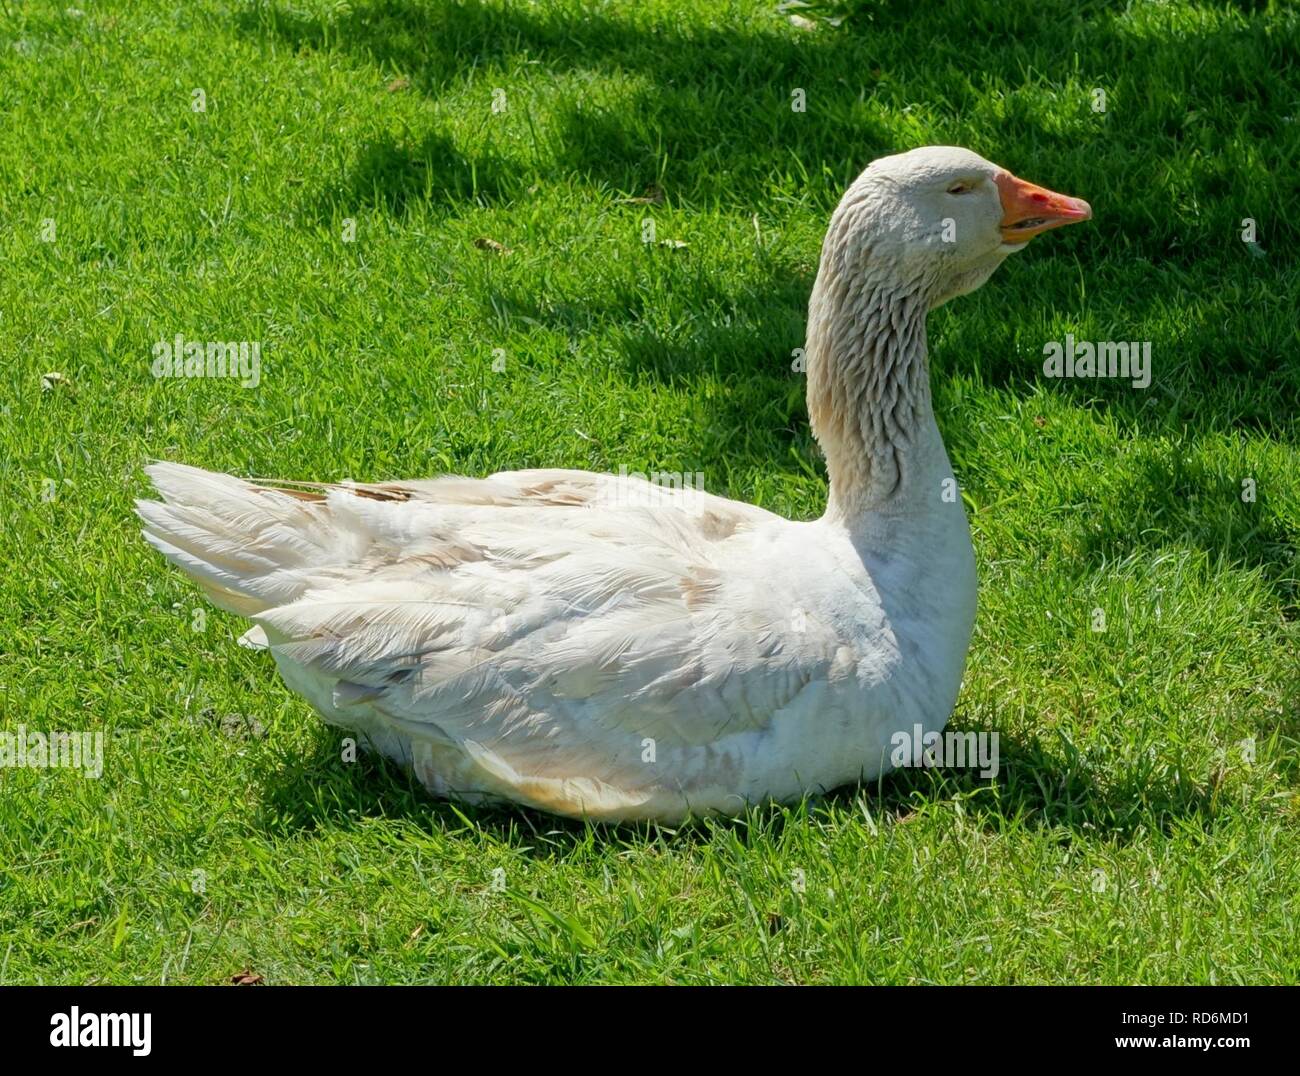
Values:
[(1125, 839)]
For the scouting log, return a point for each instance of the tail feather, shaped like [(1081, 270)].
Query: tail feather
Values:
[(249, 547)]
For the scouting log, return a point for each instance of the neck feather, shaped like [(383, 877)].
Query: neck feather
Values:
[(869, 384)]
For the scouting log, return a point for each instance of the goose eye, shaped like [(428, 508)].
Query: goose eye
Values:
[(960, 188)]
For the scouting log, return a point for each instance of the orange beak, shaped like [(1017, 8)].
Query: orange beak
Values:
[(1028, 210)]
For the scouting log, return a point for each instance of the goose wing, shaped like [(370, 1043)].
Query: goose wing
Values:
[(532, 635)]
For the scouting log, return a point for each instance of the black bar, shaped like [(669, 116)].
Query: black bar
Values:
[(334, 1024)]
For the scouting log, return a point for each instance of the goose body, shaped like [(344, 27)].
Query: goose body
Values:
[(597, 646)]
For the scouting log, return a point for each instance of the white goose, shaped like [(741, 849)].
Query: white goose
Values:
[(597, 646)]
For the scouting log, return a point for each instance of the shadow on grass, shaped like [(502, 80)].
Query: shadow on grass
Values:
[(1040, 787), (391, 173), (711, 102), (1035, 787), (1179, 502)]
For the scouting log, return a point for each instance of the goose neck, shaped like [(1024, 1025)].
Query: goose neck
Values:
[(869, 397)]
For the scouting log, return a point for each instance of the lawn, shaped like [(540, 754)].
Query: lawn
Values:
[(432, 216)]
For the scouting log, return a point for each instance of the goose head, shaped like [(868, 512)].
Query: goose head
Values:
[(913, 231), (940, 220)]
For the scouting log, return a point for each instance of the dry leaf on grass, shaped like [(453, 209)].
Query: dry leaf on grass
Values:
[(484, 243), (247, 977), (242, 727), (653, 196)]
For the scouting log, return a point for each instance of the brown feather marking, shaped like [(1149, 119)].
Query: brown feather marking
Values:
[(546, 493), (716, 525), (312, 491), (699, 587), (449, 556), (300, 494), (379, 493)]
